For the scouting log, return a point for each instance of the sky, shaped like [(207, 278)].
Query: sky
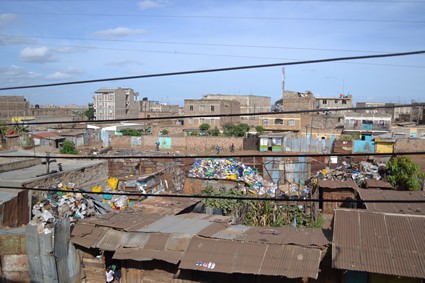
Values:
[(53, 41)]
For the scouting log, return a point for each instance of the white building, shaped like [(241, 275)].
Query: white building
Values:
[(115, 103)]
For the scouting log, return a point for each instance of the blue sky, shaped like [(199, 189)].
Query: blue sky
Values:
[(55, 41)]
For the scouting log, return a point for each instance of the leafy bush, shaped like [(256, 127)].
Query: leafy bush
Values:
[(204, 127), (214, 132), (131, 132), (404, 174), (68, 148)]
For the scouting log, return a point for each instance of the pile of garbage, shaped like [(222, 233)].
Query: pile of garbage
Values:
[(358, 172), (230, 169), (67, 203)]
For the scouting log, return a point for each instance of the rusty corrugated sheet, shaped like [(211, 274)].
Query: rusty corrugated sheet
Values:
[(286, 235), (80, 229), (157, 241), (212, 229), (332, 184), (260, 259), (12, 245), (135, 240), (378, 184), (400, 208), (176, 224), (91, 239), (291, 261), (231, 232), (14, 209), (178, 241), (379, 243), (111, 241)]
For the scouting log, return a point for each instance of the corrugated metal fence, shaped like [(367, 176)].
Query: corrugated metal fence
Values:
[(306, 145)]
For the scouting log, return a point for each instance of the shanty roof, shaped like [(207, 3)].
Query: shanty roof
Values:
[(194, 237), (47, 136), (253, 258), (382, 243), (378, 184), (333, 184), (400, 208)]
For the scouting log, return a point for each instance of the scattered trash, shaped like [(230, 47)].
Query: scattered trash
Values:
[(230, 169)]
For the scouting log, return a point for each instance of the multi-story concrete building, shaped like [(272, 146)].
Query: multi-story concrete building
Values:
[(213, 107), (13, 106), (294, 101), (249, 103), (367, 123), (281, 122), (116, 103), (344, 101)]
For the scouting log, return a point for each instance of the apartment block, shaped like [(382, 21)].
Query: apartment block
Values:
[(116, 103), (13, 106), (213, 107), (249, 103)]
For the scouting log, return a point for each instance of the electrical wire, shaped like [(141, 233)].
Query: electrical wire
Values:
[(221, 17), (214, 197), (190, 156), (221, 69), (222, 115)]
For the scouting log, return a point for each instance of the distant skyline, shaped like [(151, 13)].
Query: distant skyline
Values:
[(47, 41)]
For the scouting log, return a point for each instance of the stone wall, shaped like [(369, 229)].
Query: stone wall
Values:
[(87, 176), (180, 143)]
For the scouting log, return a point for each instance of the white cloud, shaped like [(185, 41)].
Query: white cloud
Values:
[(16, 75), (65, 74), (124, 62), (36, 55), (5, 19), (12, 40), (151, 4), (119, 32)]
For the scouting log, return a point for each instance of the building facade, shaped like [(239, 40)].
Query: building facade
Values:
[(193, 107), (294, 101), (367, 123), (249, 103), (281, 122), (344, 101), (13, 106), (116, 103)]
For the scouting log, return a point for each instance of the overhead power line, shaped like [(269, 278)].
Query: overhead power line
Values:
[(193, 156), (223, 17), (222, 115), (221, 69), (214, 197)]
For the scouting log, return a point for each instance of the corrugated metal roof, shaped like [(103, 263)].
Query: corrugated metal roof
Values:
[(176, 224), (178, 242), (401, 208), (47, 135), (231, 232), (291, 261), (332, 184), (135, 240), (233, 256), (379, 184), (80, 229), (379, 243), (157, 242), (91, 239), (212, 229), (111, 241), (306, 237), (125, 220)]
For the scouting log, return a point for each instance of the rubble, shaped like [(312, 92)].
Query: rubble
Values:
[(64, 203), (230, 169), (358, 172)]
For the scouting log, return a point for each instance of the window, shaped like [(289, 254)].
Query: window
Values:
[(212, 121), (344, 102), (265, 121), (324, 102), (111, 96), (336, 101), (190, 107), (278, 121), (212, 108), (202, 108), (291, 122)]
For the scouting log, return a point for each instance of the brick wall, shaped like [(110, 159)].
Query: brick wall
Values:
[(406, 145)]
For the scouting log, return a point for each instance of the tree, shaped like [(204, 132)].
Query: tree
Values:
[(131, 132), (165, 132), (277, 106), (259, 129), (204, 127), (404, 174), (68, 148), (214, 132), (90, 113), (236, 130)]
